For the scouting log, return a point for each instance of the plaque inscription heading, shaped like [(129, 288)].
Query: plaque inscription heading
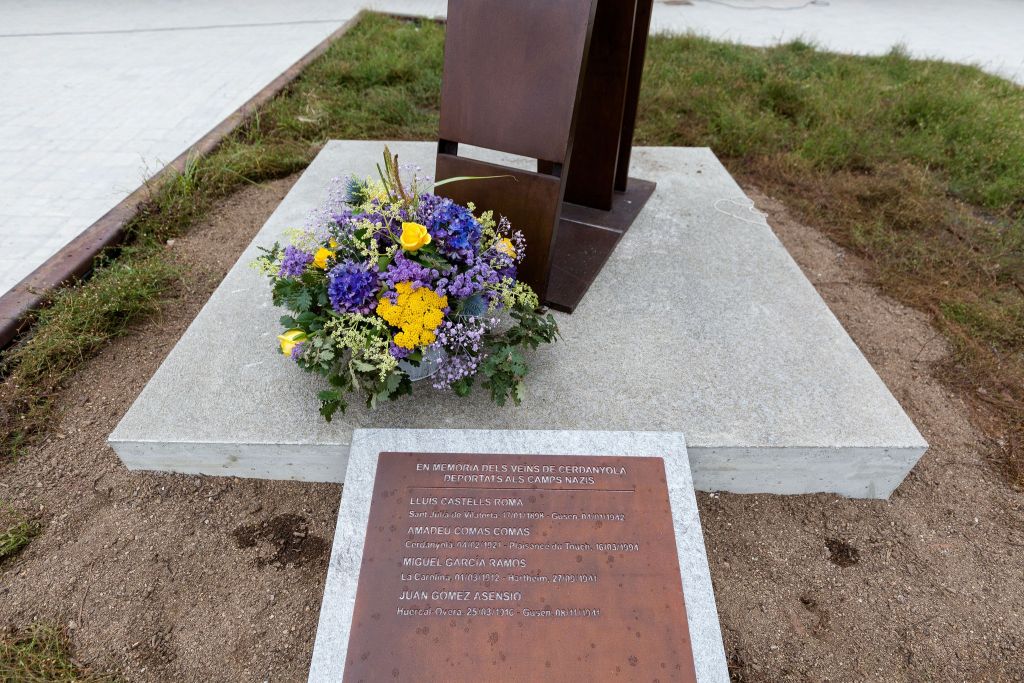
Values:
[(519, 567)]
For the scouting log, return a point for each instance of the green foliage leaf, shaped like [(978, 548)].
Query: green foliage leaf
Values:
[(463, 386), (432, 259), (504, 371), (362, 366), (330, 403), (458, 179), (300, 301), (532, 328), (396, 384)]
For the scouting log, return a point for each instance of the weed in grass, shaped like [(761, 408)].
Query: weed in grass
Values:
[(42, 654)]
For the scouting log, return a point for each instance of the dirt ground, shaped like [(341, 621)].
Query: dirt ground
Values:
[(183, 578)]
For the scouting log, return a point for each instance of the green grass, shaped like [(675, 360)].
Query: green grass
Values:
[(15, 537), (382, 80), (917, 166), (42, 655), (829, 113)]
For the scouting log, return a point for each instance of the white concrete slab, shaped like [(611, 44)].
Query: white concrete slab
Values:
[(700, 322), (331, 647)]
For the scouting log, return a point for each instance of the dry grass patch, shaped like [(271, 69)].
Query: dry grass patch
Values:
[(42, 655)]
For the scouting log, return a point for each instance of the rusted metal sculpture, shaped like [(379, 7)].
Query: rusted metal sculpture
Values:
[(556, 81)]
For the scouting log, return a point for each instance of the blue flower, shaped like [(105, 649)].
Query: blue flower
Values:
[(452, 225), (352, 287)]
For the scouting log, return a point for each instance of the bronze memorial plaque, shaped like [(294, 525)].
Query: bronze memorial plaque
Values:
[(519, 568)]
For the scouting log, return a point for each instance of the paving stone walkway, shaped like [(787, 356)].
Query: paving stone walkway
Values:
[(96, 95)]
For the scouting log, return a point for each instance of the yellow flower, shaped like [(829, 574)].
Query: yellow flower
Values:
[(505, 246), (417, 314), (321, 256), (290, 339), (414, 236)]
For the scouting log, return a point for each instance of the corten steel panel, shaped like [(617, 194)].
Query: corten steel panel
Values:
[(514, 593), (641, 29), (585, 239), (580, 253), (626, 206), (591, 174), (512, 74), (529, 200)]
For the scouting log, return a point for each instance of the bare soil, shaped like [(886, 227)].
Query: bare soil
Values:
[(927, 586), (167, 577)]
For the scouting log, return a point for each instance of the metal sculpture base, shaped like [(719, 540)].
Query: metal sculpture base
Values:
[(585, 239)]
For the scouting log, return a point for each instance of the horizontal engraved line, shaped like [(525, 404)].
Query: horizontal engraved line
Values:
[(514, 488)]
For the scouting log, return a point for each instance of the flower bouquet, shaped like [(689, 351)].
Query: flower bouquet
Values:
[(392, 283)]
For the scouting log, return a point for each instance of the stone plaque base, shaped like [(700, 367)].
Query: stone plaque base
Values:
[(383, 614)]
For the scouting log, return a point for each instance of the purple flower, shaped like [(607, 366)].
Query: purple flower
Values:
[(499, 258), (294, 262), (297, 351), (472, 281), (398, 352), (333, 214), (403, 269), (341, 224), (452, 225), (352, 287), (382, 215), (462, 341)]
